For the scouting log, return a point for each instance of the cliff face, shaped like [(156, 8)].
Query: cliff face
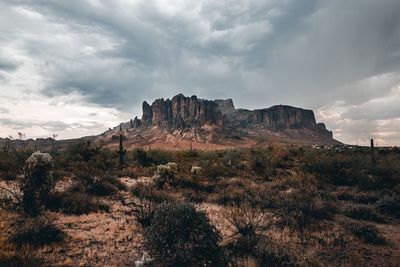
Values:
[(191, 112), (181, 112)]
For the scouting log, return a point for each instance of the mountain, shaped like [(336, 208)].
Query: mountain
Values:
[(183, 122)]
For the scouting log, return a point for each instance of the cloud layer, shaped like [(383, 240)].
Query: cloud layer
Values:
[(85, 65)]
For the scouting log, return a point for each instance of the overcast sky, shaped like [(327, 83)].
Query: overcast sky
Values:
[(78, 67)]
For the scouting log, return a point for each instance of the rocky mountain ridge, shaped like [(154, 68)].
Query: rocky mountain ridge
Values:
[(181, 120), (187, 112)]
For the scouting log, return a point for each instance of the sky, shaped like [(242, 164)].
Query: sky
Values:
[(77, 67)]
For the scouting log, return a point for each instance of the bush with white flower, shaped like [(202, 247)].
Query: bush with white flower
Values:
[(195, 170), (165, 173), (38, 182)]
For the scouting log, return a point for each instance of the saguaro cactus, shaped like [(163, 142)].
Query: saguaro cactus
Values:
[(121, 151)]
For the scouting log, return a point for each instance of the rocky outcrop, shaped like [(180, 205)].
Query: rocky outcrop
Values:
[(276, 117), (147, 112), (225, 106), (182, 112)]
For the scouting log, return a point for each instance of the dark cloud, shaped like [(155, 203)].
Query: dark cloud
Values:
[(7, 66)]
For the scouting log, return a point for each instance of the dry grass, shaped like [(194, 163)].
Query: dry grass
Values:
[(302, 211)]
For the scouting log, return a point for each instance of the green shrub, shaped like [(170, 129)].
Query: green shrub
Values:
[(179, 235)]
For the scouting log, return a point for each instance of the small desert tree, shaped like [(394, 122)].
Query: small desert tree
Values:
[(180, 235), (37, 183)]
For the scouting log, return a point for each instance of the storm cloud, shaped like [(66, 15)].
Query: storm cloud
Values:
[(103, 58)]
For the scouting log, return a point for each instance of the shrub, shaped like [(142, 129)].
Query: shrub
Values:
[(100, 186), (366, 232), (10, 165), (214, 170), (38, 182), (194, 196), (20, 259), (180, 235), (301, 205), (148, 198), (194, 184), (106, 186), (265, 161), (269, 253), (74, 202), (363, 213), (147, 158), (36, 232), (165, 173), (390, 205), (247, 223)]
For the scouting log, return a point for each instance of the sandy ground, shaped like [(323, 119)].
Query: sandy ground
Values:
[(98, 239), (115, 239)]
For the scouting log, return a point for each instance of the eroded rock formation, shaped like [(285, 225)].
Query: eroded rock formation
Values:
[(182, 112)]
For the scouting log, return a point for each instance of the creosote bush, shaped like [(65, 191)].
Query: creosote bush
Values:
[(180, 235), (38, 182)]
